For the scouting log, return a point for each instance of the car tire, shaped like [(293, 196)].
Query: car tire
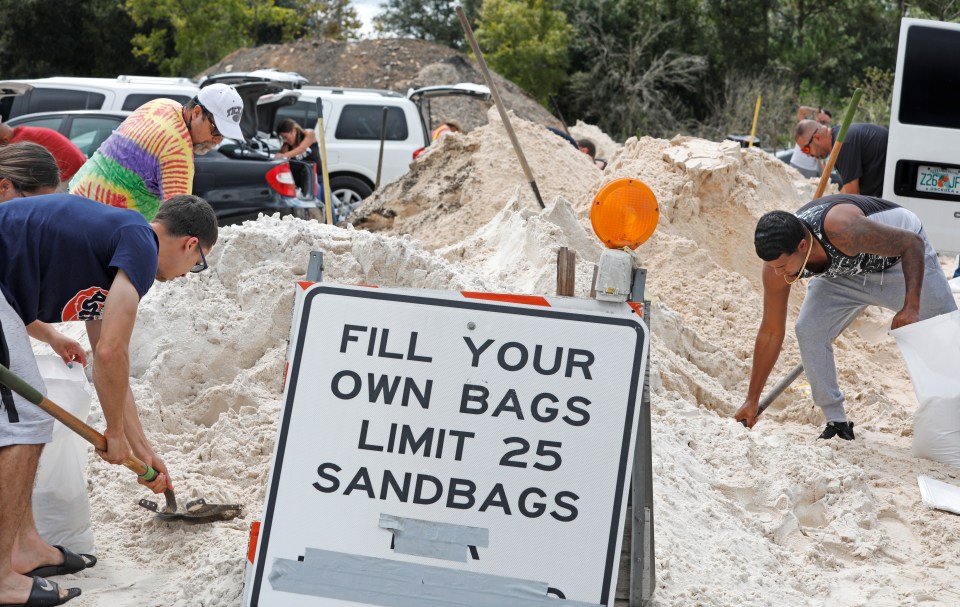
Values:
[(348, 192)]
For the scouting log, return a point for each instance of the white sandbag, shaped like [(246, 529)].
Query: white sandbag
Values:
[(61, 506), (931, 350)]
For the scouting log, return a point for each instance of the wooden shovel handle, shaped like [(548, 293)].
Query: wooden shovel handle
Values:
[(18, 385)]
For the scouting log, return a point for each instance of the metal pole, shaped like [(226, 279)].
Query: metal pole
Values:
[(383, 138), (499, 103), (643, 577)]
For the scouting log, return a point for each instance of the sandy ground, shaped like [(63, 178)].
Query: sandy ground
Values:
[(770, 516)]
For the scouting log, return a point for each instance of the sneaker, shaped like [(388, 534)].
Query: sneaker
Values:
[(842, 429)]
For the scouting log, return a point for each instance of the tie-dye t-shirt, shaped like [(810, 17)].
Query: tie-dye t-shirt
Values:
[(147, 160)]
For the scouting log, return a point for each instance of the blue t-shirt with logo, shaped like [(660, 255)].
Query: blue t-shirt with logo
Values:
[(60, 253)]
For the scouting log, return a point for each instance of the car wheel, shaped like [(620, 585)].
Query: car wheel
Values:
[(348, 193)]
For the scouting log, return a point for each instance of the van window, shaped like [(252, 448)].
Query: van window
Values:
[(132, 102), (363, 122), (304, 112), (931, 78), (56, 100)]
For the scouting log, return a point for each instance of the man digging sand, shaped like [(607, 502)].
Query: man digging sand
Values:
[(69, 258), (858, 251)]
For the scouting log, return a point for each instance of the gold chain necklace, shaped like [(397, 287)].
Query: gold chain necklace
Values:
[(803, 267)]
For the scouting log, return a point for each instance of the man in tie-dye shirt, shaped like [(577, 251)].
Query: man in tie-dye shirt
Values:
[(149, 158)]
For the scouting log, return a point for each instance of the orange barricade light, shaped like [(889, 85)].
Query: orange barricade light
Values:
[(624, 213)]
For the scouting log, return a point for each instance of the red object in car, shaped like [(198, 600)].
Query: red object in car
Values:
[(281, 179), (418, 152)]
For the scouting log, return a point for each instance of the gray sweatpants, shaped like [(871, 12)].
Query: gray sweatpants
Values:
[(24, 423), (832, 303)]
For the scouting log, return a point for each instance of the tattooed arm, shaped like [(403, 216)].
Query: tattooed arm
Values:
[(852, 233)]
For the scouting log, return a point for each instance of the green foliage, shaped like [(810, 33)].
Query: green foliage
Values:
[(182, 39), (433, 20), (331, 19), (42, 38), (628, 75), (526, 41), (877, 85), (732, 114)]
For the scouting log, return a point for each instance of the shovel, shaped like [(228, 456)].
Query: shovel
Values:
[(197, 511)]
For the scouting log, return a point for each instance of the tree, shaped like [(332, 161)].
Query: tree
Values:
[(203, 32), (433, 20), (628, 75), (332, 19), (66, 38), (526, 41)]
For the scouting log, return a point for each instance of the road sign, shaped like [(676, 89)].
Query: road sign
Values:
[(450, 448)]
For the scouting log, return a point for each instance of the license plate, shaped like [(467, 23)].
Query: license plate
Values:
[(938, 180)]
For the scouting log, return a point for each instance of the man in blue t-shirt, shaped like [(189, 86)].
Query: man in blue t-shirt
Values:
[(66, 258)]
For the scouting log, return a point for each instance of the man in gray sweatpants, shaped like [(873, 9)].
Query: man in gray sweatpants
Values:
[(859, 251)]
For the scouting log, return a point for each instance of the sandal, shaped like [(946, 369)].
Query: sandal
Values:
[(45, 593), (72, 563)]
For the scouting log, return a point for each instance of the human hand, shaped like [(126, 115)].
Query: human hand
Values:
[(747, 413), (904, 317), (118, 448), (68, 349), (162, 482)]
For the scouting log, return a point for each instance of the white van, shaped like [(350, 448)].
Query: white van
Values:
[(123, 93), (923, 149)]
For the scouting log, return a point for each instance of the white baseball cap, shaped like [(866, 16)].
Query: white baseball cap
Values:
[(225, 104)]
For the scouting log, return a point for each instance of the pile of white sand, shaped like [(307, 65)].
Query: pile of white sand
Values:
[(763, 517)]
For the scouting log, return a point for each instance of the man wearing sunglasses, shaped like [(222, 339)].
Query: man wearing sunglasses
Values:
[(862, 159), (149, 158), (67, 258)]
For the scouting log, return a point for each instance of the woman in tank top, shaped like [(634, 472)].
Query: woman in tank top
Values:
[(298, 143)]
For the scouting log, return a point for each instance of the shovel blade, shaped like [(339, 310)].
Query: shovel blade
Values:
[(196, 511)]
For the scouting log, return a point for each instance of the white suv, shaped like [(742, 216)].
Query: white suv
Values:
[(351, 122), (123, 93)]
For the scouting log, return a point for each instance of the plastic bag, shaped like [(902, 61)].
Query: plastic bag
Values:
[(931, 350), (61, 506)]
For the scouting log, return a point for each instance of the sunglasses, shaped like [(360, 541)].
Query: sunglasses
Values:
[(213, 123), (806, 149), (200, 267)]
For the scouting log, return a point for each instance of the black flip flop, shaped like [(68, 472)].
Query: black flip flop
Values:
[(45, 593), (72, 563)]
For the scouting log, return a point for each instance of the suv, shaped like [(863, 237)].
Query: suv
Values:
[(351, 122), (123, 93)]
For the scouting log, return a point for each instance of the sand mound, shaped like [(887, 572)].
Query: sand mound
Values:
[(765, 517), (459, 185)]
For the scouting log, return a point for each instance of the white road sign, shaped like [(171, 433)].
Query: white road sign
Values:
[(454, 439)]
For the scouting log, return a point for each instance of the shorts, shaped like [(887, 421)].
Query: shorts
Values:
[(21, 422)]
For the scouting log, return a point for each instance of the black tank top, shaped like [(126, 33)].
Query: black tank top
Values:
[(311, 154), (840, 264)]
